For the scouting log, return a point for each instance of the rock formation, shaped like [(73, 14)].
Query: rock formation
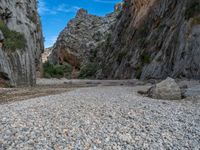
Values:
[(21, 41), (167, 90), (46, 53), (153, 39), (83, 34)]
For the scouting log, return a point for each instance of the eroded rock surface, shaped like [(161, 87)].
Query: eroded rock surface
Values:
[(19, 62), (154, 39)]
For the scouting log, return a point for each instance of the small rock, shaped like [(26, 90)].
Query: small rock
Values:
[(125, 137)]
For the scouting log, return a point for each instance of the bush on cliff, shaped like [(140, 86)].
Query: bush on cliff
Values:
[(13, 40)]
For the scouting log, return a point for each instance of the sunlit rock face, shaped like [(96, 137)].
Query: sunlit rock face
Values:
[(79, 40), (20, 55), (153, 39)]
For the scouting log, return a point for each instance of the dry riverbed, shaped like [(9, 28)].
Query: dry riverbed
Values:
[(66, 115), (46, 87)]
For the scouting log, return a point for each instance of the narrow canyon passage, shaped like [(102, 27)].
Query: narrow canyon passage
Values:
[(100, 75)]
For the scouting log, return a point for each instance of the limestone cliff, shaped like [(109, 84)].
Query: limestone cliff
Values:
[(81, 37), (21, 41), (153, 39)]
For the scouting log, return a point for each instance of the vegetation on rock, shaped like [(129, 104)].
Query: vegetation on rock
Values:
[(88, 70), (13, 40)]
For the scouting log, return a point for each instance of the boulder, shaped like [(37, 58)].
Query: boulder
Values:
[(167, 90)]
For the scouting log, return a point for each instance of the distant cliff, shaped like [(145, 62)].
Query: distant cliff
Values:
[(153, 39), (21, 42), (83, 34)]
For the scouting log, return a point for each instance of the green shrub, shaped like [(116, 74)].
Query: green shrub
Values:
[(56, 71), (193, 9), (145, 58), (13, 40), (67, 70), (88, 70)]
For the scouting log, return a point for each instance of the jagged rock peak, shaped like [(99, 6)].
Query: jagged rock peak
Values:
[(81, 12), (119, 6)]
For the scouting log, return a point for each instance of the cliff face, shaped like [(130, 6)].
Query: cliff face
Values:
[(81, 37), (153, 39), (21, 41)]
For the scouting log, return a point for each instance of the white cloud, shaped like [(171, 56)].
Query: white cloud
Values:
[(106, 1), (66, 9), (62, 8)]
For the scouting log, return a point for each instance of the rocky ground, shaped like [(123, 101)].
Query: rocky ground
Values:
[(100, 117), (46, 87)]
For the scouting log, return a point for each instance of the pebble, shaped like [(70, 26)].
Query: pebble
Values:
[(99, 118)]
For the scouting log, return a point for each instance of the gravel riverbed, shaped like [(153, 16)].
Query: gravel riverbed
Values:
[(99, 118)]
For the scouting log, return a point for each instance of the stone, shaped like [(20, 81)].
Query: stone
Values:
[(152, 124), (167, 90)]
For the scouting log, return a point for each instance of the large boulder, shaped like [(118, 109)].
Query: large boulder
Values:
[(167, 90)]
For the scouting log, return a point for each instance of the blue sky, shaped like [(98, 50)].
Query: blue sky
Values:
[(55, 14)]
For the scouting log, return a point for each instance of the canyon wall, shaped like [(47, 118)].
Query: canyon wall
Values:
[(144, 39), (21, 42), (153, 39), (83, 34)]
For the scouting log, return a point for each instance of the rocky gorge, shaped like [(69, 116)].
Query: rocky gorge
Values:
[(146, 95), (144, 39), (79, 40), (21, 42), (147, 39)]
